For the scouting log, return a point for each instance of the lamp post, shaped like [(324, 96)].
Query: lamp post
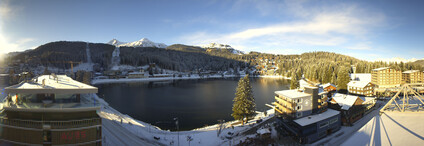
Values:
[(178, 129)]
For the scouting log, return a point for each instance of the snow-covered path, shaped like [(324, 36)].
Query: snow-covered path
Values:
[(119, 135)]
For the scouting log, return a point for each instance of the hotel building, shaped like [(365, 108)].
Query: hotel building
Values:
[(386, 77), (50, 110), (412, 76)]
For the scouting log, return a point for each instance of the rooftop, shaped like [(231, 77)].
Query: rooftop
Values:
[(381, 68), (316, 118), (345, 101), (410, 71), (359, 84), (292, 93), (366, 77), (51, 84)]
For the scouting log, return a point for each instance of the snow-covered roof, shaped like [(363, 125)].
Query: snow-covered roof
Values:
[(345, 101), (59, 84), (292, 93), (326, 85), (367, 99), (410, 71), (303, 83), (391, 128), (316, 118), (360, 77), (359, 84), (263, 131), (381, 68)]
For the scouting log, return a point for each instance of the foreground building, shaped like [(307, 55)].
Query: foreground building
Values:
[(412, 76), (304, 114), (352, 107), (386, 77), (50, 110)]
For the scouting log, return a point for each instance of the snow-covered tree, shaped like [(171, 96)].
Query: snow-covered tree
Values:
[(244, 102)]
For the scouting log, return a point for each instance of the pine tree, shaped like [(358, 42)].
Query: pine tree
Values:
[(342, 79), (244, 102), (333, 78), (294, 83)]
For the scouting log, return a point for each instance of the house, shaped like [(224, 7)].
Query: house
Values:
[(50, 110), (386, 77), (139, 74), (412, 76), (360, 88), (328, 87), (352, 107)]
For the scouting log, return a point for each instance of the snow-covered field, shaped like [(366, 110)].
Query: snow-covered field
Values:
[(145, 132)]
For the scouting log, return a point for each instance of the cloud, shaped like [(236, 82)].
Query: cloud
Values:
[(334, 25)]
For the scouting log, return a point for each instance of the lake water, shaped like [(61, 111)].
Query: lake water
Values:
[(196, 103)]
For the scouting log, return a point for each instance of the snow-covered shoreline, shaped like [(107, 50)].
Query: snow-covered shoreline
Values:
[(127, 80), (201, 136)]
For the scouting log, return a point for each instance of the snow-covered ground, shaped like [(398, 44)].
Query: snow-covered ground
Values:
[(114, 120)]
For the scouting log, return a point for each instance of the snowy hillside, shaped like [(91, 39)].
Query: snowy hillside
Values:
[(221, 46), (144, 42), (397, 60)]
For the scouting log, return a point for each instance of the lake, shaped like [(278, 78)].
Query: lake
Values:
[(196, 103)]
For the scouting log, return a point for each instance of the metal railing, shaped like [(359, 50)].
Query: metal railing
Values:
[(53, 124)]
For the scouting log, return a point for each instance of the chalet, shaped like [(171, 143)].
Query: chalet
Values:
[(352, 107), (138, 74), (360, 88), (328, 87)]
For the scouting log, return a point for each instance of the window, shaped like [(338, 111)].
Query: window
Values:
[(299, 107), (299, 114), (322, 125), (299, 100), (333, 120)]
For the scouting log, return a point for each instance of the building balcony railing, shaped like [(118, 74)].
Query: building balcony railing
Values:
[(52, 124)]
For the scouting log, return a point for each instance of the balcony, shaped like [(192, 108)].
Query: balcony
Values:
[(53, 124)]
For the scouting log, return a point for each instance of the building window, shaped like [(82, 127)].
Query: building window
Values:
[(299, 107), (322, 125), (299, 114), (299, 100), (333, 120)]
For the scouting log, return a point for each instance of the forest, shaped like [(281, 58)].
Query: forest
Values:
[(322, 67)]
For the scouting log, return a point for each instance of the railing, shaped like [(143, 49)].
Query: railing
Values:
[(53, 124)]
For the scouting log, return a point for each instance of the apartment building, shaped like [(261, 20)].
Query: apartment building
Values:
[(386, 77), (412, 76), (304, 114), (296, 103)]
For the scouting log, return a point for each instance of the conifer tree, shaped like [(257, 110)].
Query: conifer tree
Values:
[(342, 79), (244, 102), (294, 83)]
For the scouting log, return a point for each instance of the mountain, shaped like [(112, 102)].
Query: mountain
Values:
[(144, 42), (223, 47), (397, 60)]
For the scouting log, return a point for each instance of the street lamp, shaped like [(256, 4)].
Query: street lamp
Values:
[(178, 129)]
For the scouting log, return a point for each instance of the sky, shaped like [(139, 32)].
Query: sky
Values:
[(365, 29)]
